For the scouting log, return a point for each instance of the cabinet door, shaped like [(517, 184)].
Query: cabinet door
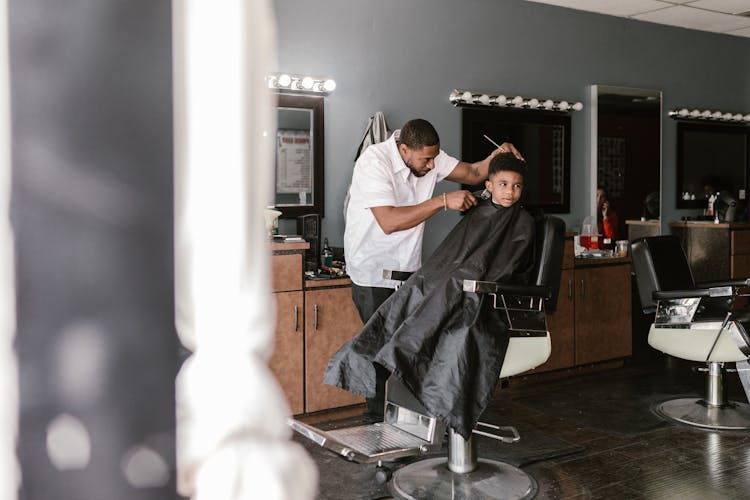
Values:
[(602, 314), (331, 319), (560, 326), (287, 360)]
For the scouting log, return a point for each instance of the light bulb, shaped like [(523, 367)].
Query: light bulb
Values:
[(563, 106), (716, 115), (484, 99), (284, 80), (737, 117), (467, 97), (272, 81), (454, 96), (695, 113), (534, 102), (578, 106), (518, 101), (549, 104), (501, 100), (329, 85), (727, 116), (683, 112), (307, 83), (706, 114), (746, 118)]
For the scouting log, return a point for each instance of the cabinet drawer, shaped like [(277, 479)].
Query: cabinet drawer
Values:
[(740, 242), (287, 272), (740, 266)]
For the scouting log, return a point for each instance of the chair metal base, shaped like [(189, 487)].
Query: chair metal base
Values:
[(695, 411), (431, 479)]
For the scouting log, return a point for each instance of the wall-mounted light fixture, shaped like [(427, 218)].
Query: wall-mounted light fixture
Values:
[(300, 83), (467, 97), (697, 114)]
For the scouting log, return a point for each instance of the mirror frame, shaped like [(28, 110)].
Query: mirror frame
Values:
[(707, 126), (315, 104), (474, 148)]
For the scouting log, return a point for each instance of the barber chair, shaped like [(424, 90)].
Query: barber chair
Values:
[(705, 322), (409, 431)]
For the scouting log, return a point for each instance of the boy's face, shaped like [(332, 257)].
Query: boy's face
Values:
[(506, 187)]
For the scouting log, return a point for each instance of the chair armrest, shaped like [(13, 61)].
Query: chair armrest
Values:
[(477, 286), (389, 274), (716, 291), (736, 283)]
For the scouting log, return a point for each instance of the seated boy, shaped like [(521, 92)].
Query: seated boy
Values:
[(447, 346)]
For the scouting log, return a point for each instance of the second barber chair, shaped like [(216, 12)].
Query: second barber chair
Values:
[(703, 322)]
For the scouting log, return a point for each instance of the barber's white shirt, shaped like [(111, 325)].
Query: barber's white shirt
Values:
[(381, 178)]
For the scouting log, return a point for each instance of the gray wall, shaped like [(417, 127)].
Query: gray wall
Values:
[(404, 58)]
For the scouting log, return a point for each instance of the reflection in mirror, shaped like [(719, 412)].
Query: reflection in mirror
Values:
[(712, 158), (299, 155), (542, 137), (628, 157)]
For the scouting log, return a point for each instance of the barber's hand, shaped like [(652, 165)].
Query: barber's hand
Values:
[(460, 200), (605, 208), (507, 147)]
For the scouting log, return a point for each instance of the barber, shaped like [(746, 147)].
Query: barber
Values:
[(391, 198)]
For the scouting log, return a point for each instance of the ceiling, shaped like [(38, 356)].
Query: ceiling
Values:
[(731, 17)]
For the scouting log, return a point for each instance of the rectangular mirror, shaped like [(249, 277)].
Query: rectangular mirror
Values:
[(627, 156), (299, 155), (711, 157), (542, 137)]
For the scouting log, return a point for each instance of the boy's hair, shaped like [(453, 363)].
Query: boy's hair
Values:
[(418, 133), (506, 161)]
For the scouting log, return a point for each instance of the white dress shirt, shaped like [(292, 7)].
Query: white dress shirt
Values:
[(381, 178)]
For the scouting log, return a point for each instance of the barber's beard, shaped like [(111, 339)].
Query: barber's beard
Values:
[(414, 171)]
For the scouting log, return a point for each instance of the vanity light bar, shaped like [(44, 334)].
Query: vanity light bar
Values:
[(462, 97), (300, 83), (697, 114)]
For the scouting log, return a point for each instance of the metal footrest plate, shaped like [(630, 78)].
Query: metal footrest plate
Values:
[(692, 411)]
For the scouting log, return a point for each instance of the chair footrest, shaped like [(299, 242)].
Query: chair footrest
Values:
[(506, 434)]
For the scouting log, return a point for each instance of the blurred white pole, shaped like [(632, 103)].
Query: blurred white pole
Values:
[(232, 439), (9, 468)]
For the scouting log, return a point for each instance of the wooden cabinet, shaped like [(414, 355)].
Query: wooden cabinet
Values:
[(330, 320), (287, 362), (715, 252), (560, 326), (592, 321), (602, 313), (313, 320), (740, 254)]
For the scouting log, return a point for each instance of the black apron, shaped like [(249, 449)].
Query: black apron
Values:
[(446, 345)]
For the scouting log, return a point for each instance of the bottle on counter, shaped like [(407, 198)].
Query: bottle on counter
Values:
[(326, 256)]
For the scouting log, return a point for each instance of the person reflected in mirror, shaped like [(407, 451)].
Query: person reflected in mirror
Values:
[(651, 206), (391, 198), (710, 185), (606, 217)]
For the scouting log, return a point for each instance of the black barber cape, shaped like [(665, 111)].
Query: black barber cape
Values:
[(446, 345)]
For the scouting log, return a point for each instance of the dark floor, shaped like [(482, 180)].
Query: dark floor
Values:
[(595, 436)]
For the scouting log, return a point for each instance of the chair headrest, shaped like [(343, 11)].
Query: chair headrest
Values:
[(549, 250), (659, 264)]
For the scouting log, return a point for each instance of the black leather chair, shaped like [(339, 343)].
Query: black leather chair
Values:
[(703, 322), (408, 430)]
